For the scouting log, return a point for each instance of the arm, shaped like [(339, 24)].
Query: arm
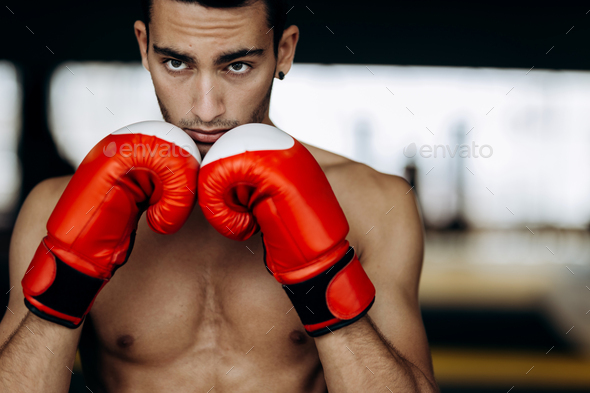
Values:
[(387, 349), (34, 353)]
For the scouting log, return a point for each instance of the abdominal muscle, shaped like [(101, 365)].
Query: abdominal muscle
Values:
[(196, 312)]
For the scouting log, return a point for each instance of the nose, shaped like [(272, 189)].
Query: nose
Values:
[(207, 99)]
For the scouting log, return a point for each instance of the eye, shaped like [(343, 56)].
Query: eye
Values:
[(175, 65), (239, 68)]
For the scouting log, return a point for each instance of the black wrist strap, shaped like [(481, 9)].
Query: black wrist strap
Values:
[(71, 292), (51, 318), (309, 297)]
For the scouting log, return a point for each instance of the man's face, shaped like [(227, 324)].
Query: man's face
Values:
[(212, 68)]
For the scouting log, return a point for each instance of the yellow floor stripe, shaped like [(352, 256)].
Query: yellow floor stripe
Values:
[(504, 368), (77, 363)]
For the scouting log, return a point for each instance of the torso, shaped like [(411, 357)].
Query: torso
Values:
[(197, 312)]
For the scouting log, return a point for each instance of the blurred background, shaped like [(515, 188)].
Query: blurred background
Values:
[(483, 108)]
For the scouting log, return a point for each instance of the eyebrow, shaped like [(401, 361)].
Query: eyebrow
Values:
[(223, 58)]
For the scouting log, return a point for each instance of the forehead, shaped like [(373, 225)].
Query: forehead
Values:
[(190, 24)]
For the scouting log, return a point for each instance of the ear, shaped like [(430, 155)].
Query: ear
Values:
[(287, 49), (142, 40)]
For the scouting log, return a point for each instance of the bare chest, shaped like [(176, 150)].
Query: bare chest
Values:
[(194, 292)]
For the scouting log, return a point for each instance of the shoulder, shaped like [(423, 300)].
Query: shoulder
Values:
[(35, 212), (30, 226), (44, 196), (37, 207), (54, 186), (343, 170), (325, 158), (362, 188)]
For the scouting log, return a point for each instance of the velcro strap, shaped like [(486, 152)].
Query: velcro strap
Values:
[(71, 292), (309, 297)]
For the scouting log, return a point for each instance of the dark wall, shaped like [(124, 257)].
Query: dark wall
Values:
[(454, 33)]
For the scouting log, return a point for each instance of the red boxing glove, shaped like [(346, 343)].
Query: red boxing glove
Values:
[(258, 177), (150, 165)]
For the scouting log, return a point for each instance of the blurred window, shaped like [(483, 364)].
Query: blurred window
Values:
[(10, 124)]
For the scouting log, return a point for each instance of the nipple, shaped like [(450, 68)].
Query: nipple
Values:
[(298, 337), (125, 341)]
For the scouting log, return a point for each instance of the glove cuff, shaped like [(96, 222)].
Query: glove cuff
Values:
[(336, 297), (57, 292)]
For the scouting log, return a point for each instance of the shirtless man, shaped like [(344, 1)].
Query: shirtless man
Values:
[(196, 311)]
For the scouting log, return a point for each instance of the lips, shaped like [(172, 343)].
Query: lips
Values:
[(203, 136)]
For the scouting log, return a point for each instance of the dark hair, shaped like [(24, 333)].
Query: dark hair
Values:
[(276, 13)]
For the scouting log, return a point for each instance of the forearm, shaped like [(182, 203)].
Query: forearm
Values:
[(355, 359), (37, 356)]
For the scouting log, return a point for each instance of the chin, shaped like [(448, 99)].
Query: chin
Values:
[(203, 148)]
